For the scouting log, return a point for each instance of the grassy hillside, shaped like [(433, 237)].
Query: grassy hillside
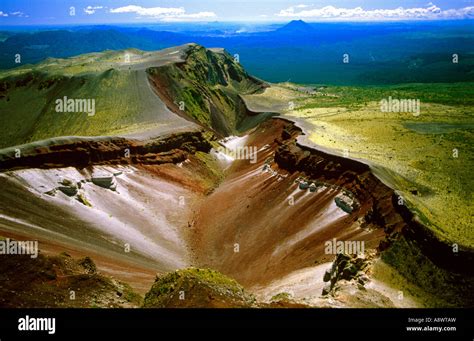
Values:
[(28, 98), (436, 286)]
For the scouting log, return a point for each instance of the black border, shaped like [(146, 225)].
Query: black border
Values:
[(360, 323)]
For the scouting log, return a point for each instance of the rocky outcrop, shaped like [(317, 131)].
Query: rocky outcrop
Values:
[(173, 148), (348, 268), (347, 279)]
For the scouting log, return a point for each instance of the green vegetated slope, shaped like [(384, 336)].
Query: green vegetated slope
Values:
[(432, 285), (427, 157), (209, 84), (28, 98)]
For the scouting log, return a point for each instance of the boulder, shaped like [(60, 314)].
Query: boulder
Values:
[(105, 181), (304, 185), (68, 187), (69, 191), (327, 275), (343, 204), (88, 264)]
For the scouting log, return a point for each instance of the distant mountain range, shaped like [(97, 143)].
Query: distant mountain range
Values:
[(380, 53)]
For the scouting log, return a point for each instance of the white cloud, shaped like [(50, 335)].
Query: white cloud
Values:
[(19, 14), (358, 13), (92, 9), (148, 12), (163, 13), (3, 14)]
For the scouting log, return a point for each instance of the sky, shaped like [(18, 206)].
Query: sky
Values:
[(51, 12)]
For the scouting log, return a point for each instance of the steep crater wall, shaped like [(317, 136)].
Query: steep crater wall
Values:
[(414, 250), (206, 89)]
